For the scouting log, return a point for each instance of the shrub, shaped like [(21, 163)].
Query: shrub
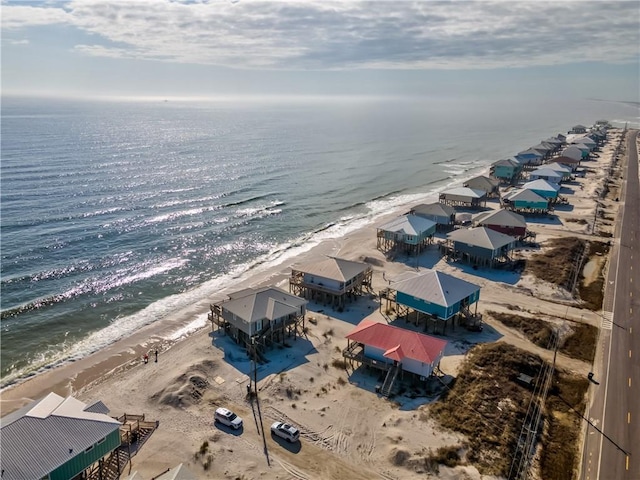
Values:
[(339, 364)]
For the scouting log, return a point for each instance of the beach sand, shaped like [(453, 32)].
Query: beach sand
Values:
[(348, 430)]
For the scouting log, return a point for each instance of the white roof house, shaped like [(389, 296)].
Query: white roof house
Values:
[(408, 224), (546, 173)]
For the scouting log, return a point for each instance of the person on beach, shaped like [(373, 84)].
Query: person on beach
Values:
[(156, 355), (146, 358)]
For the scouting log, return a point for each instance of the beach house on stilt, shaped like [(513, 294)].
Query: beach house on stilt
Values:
[(260, 316), (58, 438), (479, 246), (397, 352), (330, 280), (432, 298), (443, 215), (406, 234)]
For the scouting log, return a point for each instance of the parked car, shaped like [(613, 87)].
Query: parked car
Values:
[(228, 418), (288, 432)]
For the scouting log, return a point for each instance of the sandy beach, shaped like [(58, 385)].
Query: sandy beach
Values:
[(348, 430)]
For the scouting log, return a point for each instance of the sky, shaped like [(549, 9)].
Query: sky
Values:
[(218, 48)]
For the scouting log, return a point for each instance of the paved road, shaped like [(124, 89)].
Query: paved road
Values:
[(612, 446)]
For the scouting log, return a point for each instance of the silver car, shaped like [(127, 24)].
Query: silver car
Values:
[(286, 431), (228, 418)]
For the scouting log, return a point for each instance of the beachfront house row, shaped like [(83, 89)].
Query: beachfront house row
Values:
[(464, 197), (58, 438), (330, 280), (507, 170), (405, 234), (525, 201), (259, 316), (432, 296), (479, 246), (397, 351), (543, 188), (578, 129), (443, 215), (503, 221), (489, 185), (546, 173)]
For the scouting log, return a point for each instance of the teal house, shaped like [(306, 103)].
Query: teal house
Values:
[(406, 234), (525, 201), (432, 295), (57, 438), (543, 188), (506, 170)]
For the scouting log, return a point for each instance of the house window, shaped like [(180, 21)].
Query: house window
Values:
[(88, 449), (101, 441)]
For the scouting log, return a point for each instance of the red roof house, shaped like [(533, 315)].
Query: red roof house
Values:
[(414, 352)]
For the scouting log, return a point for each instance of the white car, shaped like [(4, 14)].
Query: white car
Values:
[(228, 418), (286, 431)]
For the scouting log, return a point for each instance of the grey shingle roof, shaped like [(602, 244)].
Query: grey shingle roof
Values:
[(524, 195), (334, 268), (265, 303), (505, 218), (465, 192), (541, 184), (436, 287), (482, 183), (482, 237), (572, 152), (409, 224), (437, 209), (40, 437)]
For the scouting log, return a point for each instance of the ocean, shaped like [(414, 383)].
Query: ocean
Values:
[(116, 213)]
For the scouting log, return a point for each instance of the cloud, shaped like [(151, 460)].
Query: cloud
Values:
[(12, 41), (324, 35), (19, 16)]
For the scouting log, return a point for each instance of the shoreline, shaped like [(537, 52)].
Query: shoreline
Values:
[(73, 375)]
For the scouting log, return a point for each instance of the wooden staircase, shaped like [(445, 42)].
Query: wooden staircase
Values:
[(389, 380)]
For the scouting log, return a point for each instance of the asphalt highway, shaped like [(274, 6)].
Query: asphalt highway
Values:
[(612, 445)]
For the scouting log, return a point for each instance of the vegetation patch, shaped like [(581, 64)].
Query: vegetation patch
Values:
[(592, 294), (565, 407), (581, 344), (339, 363), (537, 331), (558, 264), (486, 404)]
